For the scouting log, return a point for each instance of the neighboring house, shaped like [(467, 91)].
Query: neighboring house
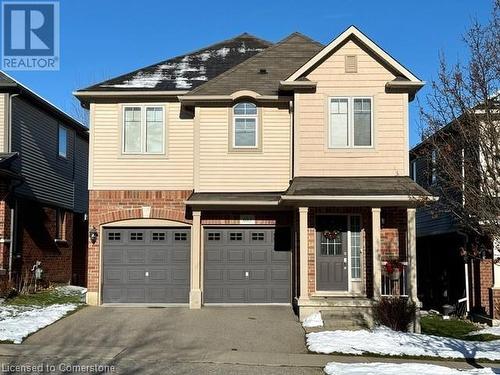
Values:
[(43, 179), (252, 172), (441, 236)]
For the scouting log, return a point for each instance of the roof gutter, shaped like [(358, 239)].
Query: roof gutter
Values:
[(297, 85), (194, 99), (231, 203), (368, 198), (91, 94)]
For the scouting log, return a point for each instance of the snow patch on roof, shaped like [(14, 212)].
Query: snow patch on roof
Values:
[(181, 72)]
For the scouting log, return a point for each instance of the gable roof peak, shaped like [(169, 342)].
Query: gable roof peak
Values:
[(370, 44)]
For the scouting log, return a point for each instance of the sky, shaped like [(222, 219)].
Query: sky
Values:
[(101, 39)]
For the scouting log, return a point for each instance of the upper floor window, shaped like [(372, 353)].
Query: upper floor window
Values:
[(351, 122), (413, 170), (143, 130), (63, 141), (245, 125)]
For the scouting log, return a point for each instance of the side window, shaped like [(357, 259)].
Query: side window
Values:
[(63, 141), (245, 126), (350, 123), (143, 130)]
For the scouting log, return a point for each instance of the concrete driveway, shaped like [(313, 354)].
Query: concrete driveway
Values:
[(219, 340), (178, 332)]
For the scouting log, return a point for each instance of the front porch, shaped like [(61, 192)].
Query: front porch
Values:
[(343, 253)]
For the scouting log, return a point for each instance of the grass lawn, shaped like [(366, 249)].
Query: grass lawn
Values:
[(44, 298), (455, 328)]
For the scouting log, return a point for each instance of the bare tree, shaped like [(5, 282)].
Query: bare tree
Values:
[(462, 130)]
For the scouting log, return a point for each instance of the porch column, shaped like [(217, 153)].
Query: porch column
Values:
[(412, 254), (196, 262), (377, 265), (496, 267), (303, 250)]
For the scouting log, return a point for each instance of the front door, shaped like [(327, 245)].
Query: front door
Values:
[(332, 253)]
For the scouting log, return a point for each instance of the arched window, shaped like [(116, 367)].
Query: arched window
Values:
[(245, 125)]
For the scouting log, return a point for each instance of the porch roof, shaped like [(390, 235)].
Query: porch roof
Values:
[(238, 199), (348, 188)]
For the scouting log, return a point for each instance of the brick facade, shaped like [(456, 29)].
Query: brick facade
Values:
[(107, 206), (278, 218), (482, 282), (37, 235), (393, 233)]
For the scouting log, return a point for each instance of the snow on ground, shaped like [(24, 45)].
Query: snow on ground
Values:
[(68, 290), (313, 320), (334, 368), (17, 322), (488, 330), (387, 342)]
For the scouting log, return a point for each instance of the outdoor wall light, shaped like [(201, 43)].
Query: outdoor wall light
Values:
[(93, 235)]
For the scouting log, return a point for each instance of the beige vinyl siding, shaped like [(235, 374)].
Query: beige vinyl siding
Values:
[(224, 170), (109, 169), (3, 120), (389, 154)]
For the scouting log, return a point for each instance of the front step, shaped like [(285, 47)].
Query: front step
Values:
[(343, 319)]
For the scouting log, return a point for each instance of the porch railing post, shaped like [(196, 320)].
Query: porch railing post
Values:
[(377, 264), (412, 255), (303, 248)]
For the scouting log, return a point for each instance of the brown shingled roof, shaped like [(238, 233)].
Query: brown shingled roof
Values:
[(263, 72)]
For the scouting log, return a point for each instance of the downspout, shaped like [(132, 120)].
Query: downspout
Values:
[(13, 215)]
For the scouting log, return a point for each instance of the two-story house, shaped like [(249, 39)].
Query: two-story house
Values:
[(43, 188), (445, 275), (253, 172)]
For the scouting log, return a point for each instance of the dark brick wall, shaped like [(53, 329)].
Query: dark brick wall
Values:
[(36, 233)]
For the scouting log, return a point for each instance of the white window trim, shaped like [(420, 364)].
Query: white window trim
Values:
[(144, 108), (350, 122), (256, 117), (59, 127), (414, 170)]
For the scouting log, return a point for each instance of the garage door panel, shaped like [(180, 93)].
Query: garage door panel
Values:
[(146, 265), (181, 255), (136, 256), (158, 276), (281, 295), (137, 294), (232, 254), (280, 256), (214, 294), (235, 275), (113, 256), (257, 294), (258, 255), (135, 275), (213, 255), (158, 256), (113, 276), (180, 275), (214, 275), (235, 295), (236, 255), (258, 275), (111, 294)]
